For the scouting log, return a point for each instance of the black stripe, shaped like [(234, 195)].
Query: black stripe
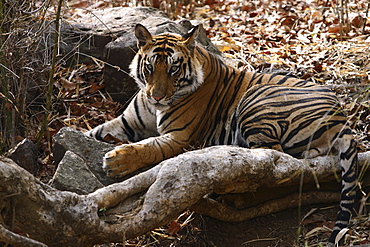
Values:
[(182, 128), (128, 130), (178, 107), (138, 68), (190, 66), (137, 111), (164, 50), (313, 137), (350, 151), (258, 77), (301, 83), (99, 133), (283, 80)]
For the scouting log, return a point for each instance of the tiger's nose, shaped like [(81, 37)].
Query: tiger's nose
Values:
[(157, 98)]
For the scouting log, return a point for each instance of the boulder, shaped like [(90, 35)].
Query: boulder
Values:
[(79, 159), (25, 154), (86, 148), (73, 174), (108, 35)]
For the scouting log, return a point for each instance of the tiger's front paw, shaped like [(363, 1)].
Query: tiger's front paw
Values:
[(121, 161)]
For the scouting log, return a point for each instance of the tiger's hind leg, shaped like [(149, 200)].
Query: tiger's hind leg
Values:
[(258, 138), (315, 152), (347, 147)]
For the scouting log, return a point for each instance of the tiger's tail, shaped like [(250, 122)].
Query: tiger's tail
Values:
[(347, 147)]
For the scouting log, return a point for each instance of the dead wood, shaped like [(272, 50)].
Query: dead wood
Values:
[(223, 212), (18, 240), (60, 218)]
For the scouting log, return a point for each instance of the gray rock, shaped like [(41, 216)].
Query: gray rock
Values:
[(25, 155), (90, 150), (79, 160), (74, 175), (88, 36)]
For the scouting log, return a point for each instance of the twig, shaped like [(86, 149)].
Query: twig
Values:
[(367, 12), (36, 10), (2, 65), (259, 239), (51, 76)]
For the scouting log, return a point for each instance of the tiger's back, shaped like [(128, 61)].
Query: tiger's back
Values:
[(188, 95), (302, 122)]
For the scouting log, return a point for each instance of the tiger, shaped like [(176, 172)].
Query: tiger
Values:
[(187, 95)]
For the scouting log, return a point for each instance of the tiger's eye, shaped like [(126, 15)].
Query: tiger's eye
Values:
[(174, 69), (149, 67)]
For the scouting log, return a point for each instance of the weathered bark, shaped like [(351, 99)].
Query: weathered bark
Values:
[(59, 218), (18, 240)]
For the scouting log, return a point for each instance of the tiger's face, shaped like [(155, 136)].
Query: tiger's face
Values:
[(165, 67)]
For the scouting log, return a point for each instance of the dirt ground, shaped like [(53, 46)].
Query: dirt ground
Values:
[(275, 230), (279, 229)]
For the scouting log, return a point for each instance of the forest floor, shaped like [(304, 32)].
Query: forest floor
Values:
[(321, 40)]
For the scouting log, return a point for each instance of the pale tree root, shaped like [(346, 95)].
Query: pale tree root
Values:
[(223, 212), (58, 218), (18, 240)]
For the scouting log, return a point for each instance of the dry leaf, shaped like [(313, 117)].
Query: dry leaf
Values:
[(174, 228)]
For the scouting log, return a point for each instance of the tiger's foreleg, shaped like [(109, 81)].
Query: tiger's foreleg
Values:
[(136, 123), (128, 158), (113, 127)]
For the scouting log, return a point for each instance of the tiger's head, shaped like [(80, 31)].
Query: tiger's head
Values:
[(165, 67)]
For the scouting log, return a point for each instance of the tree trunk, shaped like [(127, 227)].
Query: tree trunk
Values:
[(150, 199)]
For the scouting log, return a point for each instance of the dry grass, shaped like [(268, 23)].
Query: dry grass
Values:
[(25, 65)]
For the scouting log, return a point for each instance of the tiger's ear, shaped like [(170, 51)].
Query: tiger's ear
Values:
[(143, 35), (190, 37)]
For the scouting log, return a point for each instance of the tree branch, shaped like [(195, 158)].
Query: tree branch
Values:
[(154, 197)]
